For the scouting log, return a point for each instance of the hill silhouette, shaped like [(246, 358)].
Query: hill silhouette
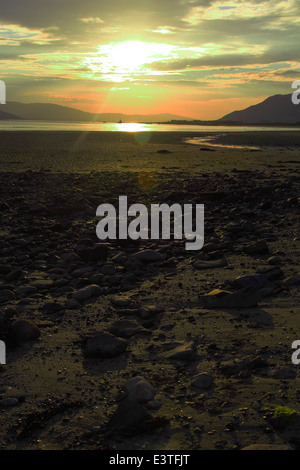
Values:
[(56, 112), (7, 116), (275, 109)]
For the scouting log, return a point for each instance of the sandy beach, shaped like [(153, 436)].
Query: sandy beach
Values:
[(112, 348)]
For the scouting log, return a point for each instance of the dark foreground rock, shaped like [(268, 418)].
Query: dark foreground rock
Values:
[(104, 345)]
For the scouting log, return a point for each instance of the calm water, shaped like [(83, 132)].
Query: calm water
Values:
[(127, 127)]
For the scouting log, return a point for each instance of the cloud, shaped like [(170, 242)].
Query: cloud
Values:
[(241, 9), (228, 60), (250, 47), (13, 34), (91, 20)]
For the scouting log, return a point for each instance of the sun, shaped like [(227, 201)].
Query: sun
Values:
[(126, 59), (130, 55)]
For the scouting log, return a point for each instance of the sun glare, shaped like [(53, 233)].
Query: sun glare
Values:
[(130, 54), (126, 59)]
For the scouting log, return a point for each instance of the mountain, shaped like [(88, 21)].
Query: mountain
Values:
[(275, 109), (55, 112), (7, 116), (45, 112)]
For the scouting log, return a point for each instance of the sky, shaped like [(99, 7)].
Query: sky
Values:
[(199, 59)]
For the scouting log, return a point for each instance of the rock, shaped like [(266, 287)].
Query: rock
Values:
[(149, 311), (108, 269), (139, 390), (207, 149), (129, 417), (272, 274), (248, 363), (87, 292), (213, 195), (258, 248), (82, 271), (256, 406), (127, 328), (98, 252), (52, 307), (120, 258), (69, 257), (6, 295), (42, 284), (291, 281), (202, 381), (9, 402), (97, 278), (283, 373), (5, 268), (244, 298), (104, 345), (71, 304), (121, 301), (14, 275), (26, 290), (274, 260), (257, 281), (148, 256), (153, 405), (265, 292), (209, 264), (181, 351), (24, 330), (267, 447)]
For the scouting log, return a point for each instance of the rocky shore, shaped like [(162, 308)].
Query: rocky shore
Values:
[(123, 344)]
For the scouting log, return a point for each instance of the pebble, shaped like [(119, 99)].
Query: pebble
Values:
[(14, 275), (127, 328), (148, 256), (121, 301), (258, 248), (202, 381), (266, 446), (9, 402), (181, 351), (87, 292), (274, 260), (210, 264), (98, 252), (52, 307)]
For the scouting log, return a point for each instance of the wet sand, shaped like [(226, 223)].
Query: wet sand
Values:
[(210, 367)]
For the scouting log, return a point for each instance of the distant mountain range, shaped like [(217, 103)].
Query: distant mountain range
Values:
[(55, 112), (7, 116), (275, 109)]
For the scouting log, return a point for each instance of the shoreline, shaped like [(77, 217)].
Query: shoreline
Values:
[(98, 151)]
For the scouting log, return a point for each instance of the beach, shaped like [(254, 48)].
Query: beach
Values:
[(142, 344)]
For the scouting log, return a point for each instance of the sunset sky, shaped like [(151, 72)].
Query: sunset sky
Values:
[(201, 59)]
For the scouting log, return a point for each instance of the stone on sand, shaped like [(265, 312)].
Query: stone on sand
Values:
[(87, 292), (139, 390), (24, 330), (104, 345)]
